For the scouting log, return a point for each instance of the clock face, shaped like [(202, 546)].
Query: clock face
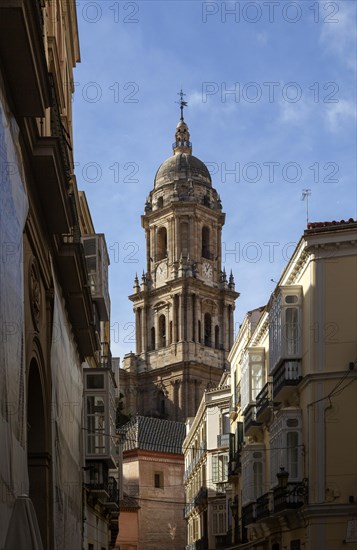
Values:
[(161, 272), (207, 270)]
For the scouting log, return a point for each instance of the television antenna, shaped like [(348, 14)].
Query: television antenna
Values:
[(306, 193)]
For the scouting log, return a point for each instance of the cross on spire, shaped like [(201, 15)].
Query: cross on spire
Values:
[(182, 103)]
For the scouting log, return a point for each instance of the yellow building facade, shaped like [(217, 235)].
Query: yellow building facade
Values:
[(294, 473)]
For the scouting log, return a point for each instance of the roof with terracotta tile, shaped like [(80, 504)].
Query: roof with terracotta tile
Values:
[(153, 434), (313, 226)]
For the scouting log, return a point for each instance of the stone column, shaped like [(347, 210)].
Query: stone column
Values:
[(189, 317), (144, 335), (138, 339)]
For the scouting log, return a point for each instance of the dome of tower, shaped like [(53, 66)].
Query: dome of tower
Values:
[(182, 166)]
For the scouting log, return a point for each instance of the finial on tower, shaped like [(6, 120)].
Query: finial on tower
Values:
[(182, 135), (182, 103)]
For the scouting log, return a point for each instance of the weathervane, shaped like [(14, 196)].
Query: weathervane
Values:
[(306, 193), (182, 103)]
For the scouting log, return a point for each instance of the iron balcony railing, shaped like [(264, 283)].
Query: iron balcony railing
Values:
[(264, 399), (294, 495), (262, 508), (288, 374)]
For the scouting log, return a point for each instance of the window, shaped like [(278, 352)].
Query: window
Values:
[(253, 468), (219, 519), (95, 425), (292, 442), (206, 243), (285, 326), (95, 381), (286, 445), (158, 480), (90, 546), (162, 331), (153, 343), (257, 478), (219, 468), (161, 244), (160, 202), (184, 239), (208, 329), (161, 402), (291, 330), (253, 375)]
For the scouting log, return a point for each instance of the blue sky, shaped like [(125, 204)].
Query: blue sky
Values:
[(271, 88)]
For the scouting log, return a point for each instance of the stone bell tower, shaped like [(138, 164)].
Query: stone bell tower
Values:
[(183, 302)]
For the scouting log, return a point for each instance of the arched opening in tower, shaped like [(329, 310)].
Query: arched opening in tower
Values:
[(206, 242), (161, 244), (153, 340), (162, 331), (208, 330)]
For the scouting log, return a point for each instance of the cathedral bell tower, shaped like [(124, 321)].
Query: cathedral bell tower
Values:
[(183, 302)]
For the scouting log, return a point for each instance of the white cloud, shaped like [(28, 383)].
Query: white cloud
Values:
[(294, 113), (338, 30), (338, 114)]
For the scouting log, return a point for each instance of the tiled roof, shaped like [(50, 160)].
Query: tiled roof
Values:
[(333, 224), (128, 502), (154, 434)]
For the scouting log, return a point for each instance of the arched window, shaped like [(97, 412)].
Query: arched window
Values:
[(162, 331), (184, 239), (208, 330), (216, 337), (161, 244), (161, 405), (206, 242), (160, 202), (153, 343)]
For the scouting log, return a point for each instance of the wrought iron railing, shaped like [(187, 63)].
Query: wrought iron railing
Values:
[(288, 374)]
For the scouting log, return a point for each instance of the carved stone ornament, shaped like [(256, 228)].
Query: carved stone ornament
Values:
[(35, 293)]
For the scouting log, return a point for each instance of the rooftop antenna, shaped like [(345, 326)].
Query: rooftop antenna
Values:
[(182, 103), (306, 193)]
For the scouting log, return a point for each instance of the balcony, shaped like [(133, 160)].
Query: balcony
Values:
[(97, 261), (200, 498), (73, 275), (200, 544), (23, 56), (106, 356), (264, 402), (234, 465), (285, 380), (113, 495), (248, 514), (293, 496), (262, 509), (100, 490), (251, 426), (223, 440), (199, 454), (188, 509)]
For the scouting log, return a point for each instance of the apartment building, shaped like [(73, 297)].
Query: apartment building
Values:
[(294, 372), (206, 451)]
